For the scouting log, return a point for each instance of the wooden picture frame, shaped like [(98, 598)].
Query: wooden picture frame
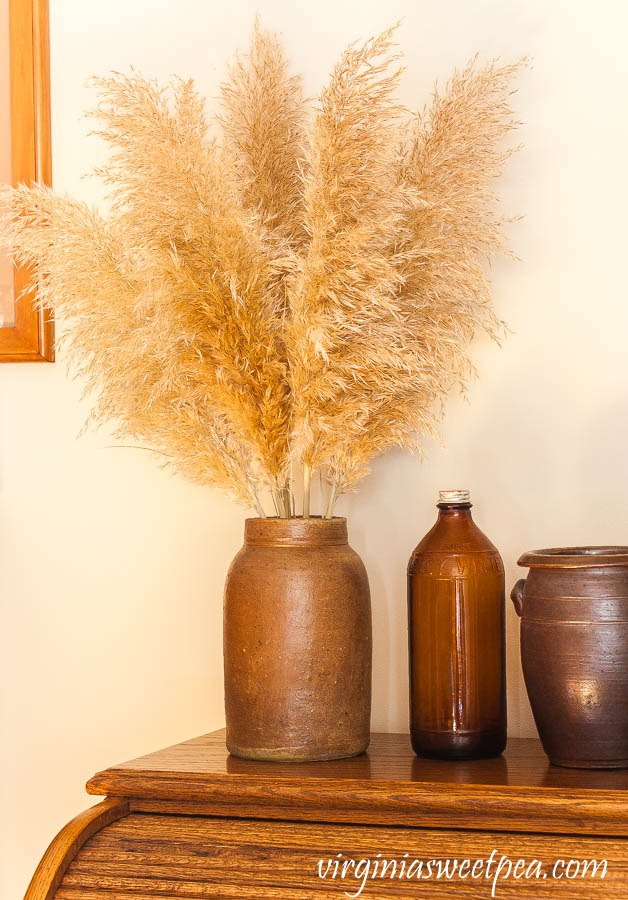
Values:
[(31, 336)]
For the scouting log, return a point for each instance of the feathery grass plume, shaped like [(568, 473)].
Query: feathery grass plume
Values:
[(452, 160), (455, 154), (439, 245), (84, 270), (263, 125), (343, 294), (293, 297), (177, 198)]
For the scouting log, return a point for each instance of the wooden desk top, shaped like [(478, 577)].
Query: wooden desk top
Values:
[(386, 785)]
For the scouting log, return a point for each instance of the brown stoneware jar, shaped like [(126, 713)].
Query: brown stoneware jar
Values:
[(456, 638), (297, 643), (574, 651)]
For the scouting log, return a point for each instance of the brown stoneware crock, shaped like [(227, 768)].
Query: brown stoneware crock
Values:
[(297, 643), (574, 652)]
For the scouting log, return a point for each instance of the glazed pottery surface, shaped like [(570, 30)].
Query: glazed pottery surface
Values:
[(297, 643), (574, 652)]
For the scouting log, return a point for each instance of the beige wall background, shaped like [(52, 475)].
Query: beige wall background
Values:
[(111, 570)]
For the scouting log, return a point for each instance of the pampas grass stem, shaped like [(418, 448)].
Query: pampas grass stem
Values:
[(329, 512), (307, 483), (258, 506)]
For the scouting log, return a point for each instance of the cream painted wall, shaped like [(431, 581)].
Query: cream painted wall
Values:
[(111, 571)]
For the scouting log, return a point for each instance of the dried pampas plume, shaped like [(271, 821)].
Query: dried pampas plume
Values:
[(298, 296)]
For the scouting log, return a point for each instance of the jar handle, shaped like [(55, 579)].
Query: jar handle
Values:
[(516, 595)]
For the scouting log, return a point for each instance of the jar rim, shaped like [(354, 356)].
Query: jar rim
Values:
[(315, 531), (575, 557)]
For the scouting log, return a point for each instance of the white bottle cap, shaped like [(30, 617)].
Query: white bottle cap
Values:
[(454, 496)]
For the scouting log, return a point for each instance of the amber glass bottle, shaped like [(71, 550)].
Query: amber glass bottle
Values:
[(456, 638)]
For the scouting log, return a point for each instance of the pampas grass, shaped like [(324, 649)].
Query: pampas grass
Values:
[(297, 296)]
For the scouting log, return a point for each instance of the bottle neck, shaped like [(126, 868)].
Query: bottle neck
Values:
[(451, 511)]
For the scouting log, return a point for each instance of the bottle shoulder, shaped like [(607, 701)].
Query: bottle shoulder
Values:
[(454, 548)]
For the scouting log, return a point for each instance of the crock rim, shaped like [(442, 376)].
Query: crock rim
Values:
[(585, 557)]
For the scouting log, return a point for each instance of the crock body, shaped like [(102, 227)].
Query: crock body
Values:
[(297, 643), (574, 653)]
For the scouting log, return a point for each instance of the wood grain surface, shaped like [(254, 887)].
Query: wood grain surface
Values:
[(66, 845), (388, 785), (147, 856)]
